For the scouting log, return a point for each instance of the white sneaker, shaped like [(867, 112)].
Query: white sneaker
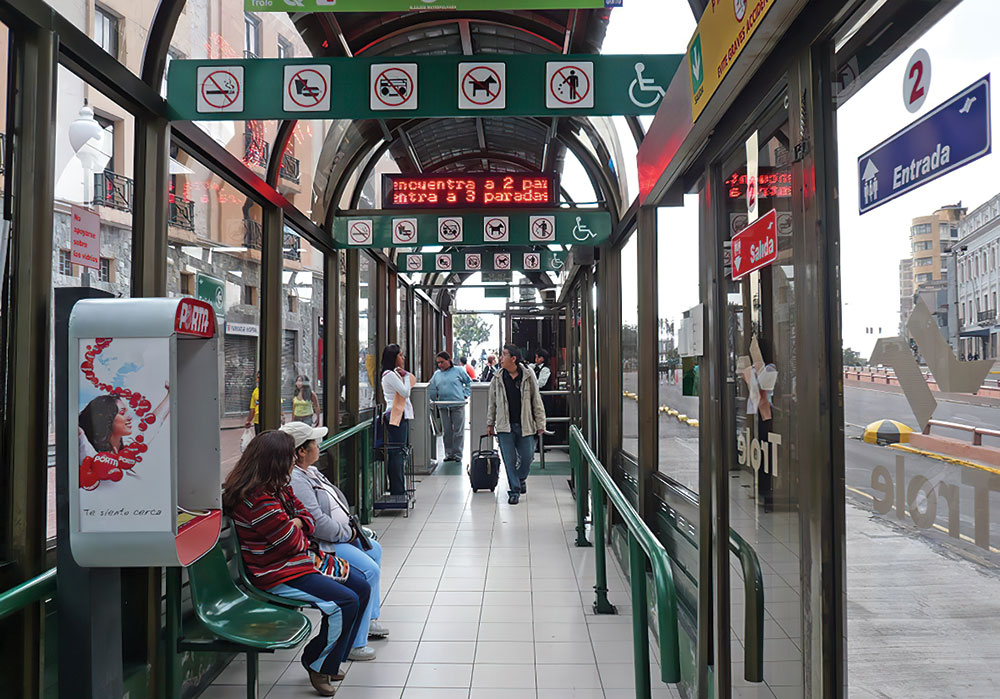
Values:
[(365, 653), (377, 630)]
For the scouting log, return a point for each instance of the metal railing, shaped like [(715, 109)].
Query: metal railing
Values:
[(987, 317), (256, 151), (642, 545), (290, 168), (364, 453), (39, 588), (113, 190), (290, 246), (977, 432), (181, 213)]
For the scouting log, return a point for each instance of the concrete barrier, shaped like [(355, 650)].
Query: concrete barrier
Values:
[(957, 448)]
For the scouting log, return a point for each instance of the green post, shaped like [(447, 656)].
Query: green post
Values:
[(253, 672), (173, 630), (601, 603), (640, 623), (366, 477), (576, 461)]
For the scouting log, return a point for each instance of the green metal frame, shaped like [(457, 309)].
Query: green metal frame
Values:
[(37, 589), (642, 543), (364, 456)]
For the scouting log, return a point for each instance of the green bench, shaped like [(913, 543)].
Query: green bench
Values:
[(227, 619), (238, 570)]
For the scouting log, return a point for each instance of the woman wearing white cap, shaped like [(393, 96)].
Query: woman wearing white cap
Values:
[(335, 530)]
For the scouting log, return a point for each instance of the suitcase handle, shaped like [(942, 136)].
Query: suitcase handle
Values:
[(485, 436)]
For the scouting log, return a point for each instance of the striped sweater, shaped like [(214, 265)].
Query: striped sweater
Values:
[(274, 550)]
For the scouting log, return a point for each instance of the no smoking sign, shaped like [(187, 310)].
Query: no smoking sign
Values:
[(359, 232), (307, 88), (220, 89), (482, 86)]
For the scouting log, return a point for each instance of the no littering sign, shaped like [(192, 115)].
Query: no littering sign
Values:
[(569, 85)]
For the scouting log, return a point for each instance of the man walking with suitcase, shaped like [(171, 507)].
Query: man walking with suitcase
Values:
[(515, 414)]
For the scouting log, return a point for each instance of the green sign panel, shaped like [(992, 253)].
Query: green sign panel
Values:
[(404, 229), (502, 292), (212, 291), (418, 87), (408, 5), (494, 260)]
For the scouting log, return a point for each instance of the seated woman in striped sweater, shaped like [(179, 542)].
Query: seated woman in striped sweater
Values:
[(273, 529)]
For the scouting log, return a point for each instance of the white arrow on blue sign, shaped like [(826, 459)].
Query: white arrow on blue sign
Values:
[(946, 138)]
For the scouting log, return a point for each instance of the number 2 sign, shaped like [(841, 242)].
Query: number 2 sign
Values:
[(917, 80)]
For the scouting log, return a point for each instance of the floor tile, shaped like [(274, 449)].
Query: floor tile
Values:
[(439, 675), (450, 652), (493, 693), (560, 633), (376, 674), (394, 651), (547, 653), (507, 613), (434, 693), (458, 598), (504, 652), (504, 676), (490, 631), (567, 677), (454, 613), (450, 631)]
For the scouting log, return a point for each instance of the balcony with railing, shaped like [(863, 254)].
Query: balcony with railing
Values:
[(253, 234), (290, 246), (290, 168), (3, 151), (113, 191), (181, 213), (256, 151), (987, 317)]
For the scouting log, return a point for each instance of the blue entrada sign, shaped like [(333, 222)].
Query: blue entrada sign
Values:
[(946, 138)]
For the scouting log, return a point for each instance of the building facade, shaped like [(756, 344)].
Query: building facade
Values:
[(925, 273), (979, 281)]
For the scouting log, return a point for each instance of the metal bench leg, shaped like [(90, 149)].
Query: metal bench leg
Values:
[(253, 666)]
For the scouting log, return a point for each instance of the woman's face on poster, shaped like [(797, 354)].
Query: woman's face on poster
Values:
[(122, 424)]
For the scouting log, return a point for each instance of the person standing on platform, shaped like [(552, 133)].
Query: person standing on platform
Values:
[(489, 369), (397, 383), (253, 418), (515, 414), (305, 405), (542, 372), (469, 369), (451, 384)]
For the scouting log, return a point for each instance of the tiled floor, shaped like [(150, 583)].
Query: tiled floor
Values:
[(484, 601)]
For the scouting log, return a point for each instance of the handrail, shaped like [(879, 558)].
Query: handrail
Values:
[(30, 591), (753, 587), (640, 540), (364, 450)]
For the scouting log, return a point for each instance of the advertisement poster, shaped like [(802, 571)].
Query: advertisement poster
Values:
[(124, 435)]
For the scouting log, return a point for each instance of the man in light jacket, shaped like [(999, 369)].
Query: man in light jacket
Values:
[(451, 384), (515, 414)]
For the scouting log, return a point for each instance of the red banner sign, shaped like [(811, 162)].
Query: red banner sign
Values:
[(194, 317), (756, 245)]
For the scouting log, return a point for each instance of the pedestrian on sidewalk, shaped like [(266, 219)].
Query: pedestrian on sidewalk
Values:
[(515, 414), (451, 384)]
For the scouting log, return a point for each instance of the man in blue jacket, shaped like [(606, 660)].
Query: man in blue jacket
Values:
[(451, 384)]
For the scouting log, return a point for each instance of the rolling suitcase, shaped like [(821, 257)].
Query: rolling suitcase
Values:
[(484, 471)]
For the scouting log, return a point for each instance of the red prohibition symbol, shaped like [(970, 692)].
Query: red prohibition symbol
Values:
[(307, 88), (217, 87), (496, 229), (393, 87), (360, 231), (475, 82), (573, 81), (405, 231)]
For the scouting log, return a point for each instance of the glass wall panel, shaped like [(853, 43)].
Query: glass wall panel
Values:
[(367, 352), (302, 379), (208, 258), (403, 322), (93, 173), (418, 339), (764, 477), (630, 347), (919, 281), (120, 27)]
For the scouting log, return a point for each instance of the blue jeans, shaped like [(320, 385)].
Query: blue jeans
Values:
[(517, 452), (341, 604), (395, 438), (368, 563)]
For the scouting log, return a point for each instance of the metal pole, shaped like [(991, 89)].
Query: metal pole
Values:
[(648, 360), (173, 633), (576, 461), (601, 603), (640, 622), (271, 258)]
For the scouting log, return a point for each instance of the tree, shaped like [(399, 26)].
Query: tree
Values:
[(469, 330), (851, 358)]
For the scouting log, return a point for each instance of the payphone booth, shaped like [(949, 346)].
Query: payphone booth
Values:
[(145, 475)]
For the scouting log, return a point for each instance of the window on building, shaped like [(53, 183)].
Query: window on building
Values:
[(285, 48), (107, 145), (250, 295), (106, 30), (251, 45), (293, 304), (921, 229), (104, 273), (187, 283), (922, 245), (924, 261), (954, 231), (65, 263), (924, 277)]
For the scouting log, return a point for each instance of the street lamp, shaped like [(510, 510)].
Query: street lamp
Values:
[(82, 133)]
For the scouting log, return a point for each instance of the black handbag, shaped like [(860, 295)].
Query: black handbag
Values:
[(359, 533)]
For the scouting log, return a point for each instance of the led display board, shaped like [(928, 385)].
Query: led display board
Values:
[(516, 190)]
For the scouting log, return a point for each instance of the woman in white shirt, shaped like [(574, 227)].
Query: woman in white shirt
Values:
[(397, 383)]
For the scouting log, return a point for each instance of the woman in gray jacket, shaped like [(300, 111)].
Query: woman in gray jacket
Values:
[(334, 531), (515, 414)]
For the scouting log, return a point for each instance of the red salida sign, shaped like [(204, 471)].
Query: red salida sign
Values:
[(756, 245)]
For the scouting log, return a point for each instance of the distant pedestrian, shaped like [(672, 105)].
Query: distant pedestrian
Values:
[(451, 384), (515, 414), (469, 369), (542, 371), (305, 405), (489, 369)]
